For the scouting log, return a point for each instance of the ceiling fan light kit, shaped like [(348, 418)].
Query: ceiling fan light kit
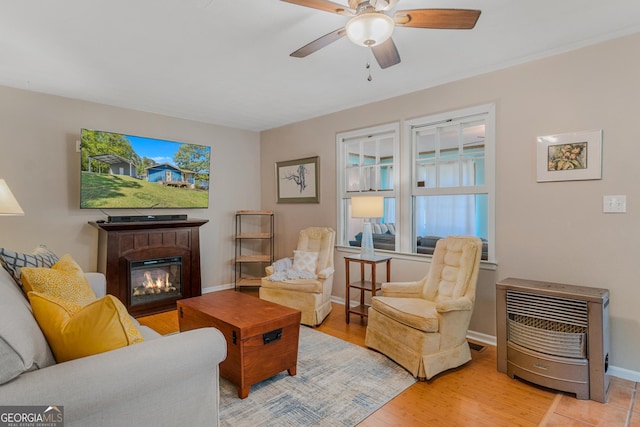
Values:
[(380, 4), (369, 26), (369, 29)]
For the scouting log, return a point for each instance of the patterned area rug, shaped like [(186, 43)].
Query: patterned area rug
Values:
[(337, 384)]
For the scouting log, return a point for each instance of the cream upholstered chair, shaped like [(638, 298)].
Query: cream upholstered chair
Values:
[(312, 296), (423, 325)]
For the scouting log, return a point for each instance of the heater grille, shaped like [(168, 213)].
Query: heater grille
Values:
[(551, 325), (547, 341), (545, 307)]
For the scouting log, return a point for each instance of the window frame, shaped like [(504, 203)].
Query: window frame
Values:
[(411, 129), (404, 174), (342, 140)]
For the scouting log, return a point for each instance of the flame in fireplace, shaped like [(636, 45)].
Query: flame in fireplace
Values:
[(161, 283)]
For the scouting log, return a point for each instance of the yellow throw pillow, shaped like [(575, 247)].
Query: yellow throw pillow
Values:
[(100, 326), (64, 280)]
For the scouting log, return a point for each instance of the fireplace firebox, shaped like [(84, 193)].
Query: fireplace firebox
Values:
[(155, 279)]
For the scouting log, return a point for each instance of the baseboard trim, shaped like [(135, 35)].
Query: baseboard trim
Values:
[(339, 300), (623, 373), (217, 288), (483, 338)]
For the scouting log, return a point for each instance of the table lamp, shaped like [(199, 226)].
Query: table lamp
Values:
[(367, 207), (9, 206)]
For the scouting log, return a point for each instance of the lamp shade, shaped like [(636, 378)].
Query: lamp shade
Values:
[(369, 29), (8, 204), (367, 207)]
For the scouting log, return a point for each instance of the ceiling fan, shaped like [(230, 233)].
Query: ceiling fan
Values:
[(370, 26)]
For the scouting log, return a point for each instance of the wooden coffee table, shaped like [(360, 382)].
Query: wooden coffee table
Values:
[(262, 337)]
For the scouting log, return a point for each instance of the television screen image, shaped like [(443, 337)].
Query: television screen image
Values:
[(121, 171)]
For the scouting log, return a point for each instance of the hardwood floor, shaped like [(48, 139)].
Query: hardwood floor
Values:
[(163, 323), (475, 394)]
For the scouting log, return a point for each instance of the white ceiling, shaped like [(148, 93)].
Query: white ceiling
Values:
[(227, 61)]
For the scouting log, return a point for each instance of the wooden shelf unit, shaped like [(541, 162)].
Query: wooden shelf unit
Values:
[(249, 266)]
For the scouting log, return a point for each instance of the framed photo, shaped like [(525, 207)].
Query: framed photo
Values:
[(570, 156), (297, 180)]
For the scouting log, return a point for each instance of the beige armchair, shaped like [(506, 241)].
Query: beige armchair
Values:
[(423, 325), (312, 296)]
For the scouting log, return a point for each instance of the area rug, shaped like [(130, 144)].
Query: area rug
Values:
[(337, 384)]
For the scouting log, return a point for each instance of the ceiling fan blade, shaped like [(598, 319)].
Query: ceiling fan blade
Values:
[(325, 5), (446, 19), (386, 54), (319, 43)]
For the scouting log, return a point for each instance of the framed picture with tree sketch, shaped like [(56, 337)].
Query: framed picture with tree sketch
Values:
[(297, 180)]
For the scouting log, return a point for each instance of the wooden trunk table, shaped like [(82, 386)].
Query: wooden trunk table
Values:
[(262, 337)]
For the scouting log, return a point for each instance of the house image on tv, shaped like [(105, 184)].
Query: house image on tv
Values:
[(165, 173), (117, 165), (171, 175)]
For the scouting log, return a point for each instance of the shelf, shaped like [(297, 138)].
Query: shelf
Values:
[(250, 212), (371, 260), (365, 285), (254, 246), (361, 310), (145, 225), (254, 236), (246, 282), (254, 258)]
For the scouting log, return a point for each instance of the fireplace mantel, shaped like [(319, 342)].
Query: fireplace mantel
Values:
[(122, 243)]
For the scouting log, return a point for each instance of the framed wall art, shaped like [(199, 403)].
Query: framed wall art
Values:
[(297, 180), (570, 156)]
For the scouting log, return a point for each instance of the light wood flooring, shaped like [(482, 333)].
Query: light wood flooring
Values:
[(475, 394)]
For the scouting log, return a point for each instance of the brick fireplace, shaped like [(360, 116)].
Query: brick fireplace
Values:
[(150, 265)]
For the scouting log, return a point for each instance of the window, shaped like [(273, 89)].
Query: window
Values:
[(452, 178), (367, 165), (444, 183)]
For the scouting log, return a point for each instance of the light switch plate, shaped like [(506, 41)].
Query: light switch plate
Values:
[(614, 204)]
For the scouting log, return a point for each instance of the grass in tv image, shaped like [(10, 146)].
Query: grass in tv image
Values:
[(124, 171)]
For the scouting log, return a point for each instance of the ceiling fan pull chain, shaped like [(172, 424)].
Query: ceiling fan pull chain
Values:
[(368, 68)]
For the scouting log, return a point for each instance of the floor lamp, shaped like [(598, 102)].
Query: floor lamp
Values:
[(367, 207), (9, 206)]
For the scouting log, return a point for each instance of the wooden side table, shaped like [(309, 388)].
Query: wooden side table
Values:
[(362, 284)]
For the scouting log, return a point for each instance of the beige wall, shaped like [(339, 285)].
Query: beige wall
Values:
[(544, 231), (38, 159)]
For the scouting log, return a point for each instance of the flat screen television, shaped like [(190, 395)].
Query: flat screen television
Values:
[(121, 171)]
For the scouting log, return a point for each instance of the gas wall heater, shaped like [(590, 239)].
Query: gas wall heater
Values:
[(554, 335)]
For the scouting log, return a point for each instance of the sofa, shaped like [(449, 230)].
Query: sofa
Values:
[(386, 241), (163, 381)]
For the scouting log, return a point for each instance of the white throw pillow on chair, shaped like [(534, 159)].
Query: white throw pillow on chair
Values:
[(305, 261)]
